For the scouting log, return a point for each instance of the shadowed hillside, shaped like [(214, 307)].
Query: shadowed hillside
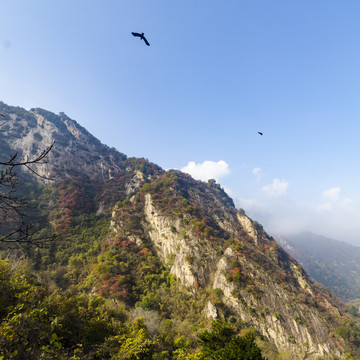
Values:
[(332, 263)]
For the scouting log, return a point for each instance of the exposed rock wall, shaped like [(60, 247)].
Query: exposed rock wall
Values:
[(75, 150), (164, 232), (246, 223), (274, 313), (267, 306)]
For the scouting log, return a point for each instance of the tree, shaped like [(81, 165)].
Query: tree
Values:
[(11, 205), (222, 343)]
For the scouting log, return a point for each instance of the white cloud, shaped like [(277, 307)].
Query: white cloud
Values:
[(207, 170), (325, 206), (277, 215), (332, 201), (337, 216), (334, 216), (256, 171), (276, 189), (331, 194)]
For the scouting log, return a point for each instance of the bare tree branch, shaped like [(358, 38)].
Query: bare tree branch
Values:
[(36, 160), (24, 235), (11, 205)]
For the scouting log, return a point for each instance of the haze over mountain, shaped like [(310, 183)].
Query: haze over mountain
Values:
[(135, 239), (332, 263)]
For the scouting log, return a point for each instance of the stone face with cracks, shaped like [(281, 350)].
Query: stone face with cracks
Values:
[(246, 224), (278, 330), (75, 150), (168, 243)]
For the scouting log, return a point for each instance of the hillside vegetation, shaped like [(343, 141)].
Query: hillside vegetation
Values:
[(150, 264)]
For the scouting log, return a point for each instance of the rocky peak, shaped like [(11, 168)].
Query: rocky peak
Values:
[(75, 152)]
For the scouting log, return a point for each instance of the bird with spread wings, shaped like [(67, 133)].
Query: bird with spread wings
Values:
[(142, 37)]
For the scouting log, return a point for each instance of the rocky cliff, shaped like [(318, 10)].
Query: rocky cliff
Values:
[(213, 246), (77, 152)]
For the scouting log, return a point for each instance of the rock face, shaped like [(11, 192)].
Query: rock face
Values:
[(287, 324), (75, 151), (163, 231), (258, 281), (193, 227)]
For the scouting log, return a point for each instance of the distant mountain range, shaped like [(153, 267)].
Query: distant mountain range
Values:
[(333, 263)]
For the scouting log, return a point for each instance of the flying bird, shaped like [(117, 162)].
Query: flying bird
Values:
[(142, 37), (260, 133)]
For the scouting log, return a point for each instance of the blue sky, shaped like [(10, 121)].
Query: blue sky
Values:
[(216, 73)]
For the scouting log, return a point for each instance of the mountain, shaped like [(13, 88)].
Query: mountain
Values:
[(77, 152), (332, 263), (137, 242)]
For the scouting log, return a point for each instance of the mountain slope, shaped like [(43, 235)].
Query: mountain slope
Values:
[(212, 246), (169, 237)]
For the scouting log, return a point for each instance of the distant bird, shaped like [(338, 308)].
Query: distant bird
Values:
[(260, 133), (142, 37)]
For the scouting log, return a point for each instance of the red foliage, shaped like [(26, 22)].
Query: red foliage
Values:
[(115, 287), (146, 251), (126, 243)]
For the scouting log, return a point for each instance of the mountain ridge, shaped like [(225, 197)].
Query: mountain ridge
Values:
[(221, 257)]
